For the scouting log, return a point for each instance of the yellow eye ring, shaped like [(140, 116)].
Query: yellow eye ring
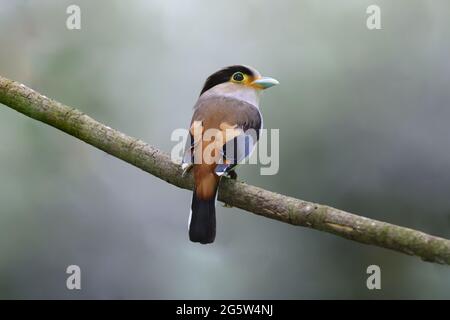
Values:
[(238, 77)]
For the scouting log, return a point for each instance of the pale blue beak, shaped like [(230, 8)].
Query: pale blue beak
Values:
[(265, 82)]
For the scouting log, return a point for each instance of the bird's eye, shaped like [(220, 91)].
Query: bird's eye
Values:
[(238, 76)]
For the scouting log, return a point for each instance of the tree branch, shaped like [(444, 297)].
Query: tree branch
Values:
[(238, 194)]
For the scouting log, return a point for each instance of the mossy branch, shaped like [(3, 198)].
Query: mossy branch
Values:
[(238, 194)]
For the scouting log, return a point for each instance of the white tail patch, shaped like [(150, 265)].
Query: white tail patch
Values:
[(190, 218)]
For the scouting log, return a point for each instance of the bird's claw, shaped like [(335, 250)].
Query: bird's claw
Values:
[(232, 175), (186, 168)]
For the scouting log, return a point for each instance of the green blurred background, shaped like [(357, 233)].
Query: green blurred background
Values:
[(364, 126)]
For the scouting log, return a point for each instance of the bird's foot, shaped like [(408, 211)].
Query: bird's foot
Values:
[(232, 175), (186, 168)]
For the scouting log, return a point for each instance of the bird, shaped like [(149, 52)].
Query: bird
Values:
[(228, 106)]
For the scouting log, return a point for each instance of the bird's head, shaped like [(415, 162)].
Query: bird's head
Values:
[(237, 76)]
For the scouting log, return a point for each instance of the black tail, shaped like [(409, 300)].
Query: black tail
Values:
[(202, 222)]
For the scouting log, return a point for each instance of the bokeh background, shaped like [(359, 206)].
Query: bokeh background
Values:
[(364, 126)]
